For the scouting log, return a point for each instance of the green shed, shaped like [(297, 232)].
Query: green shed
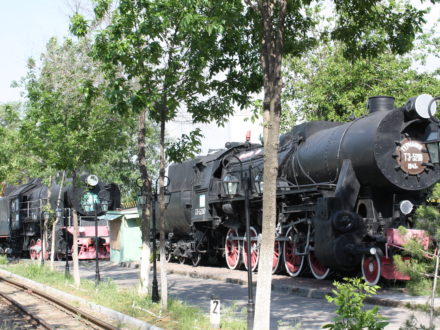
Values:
[(125, 235)]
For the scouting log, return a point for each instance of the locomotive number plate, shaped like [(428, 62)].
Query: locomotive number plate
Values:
[(411, 155)]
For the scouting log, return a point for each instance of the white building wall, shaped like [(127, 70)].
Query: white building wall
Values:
[(214, 136)]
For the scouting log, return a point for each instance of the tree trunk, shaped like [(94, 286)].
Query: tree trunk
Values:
[(54, 225), (272, 49), (144, 272), (163, 261), (434, 290), (45, 223), (264, 278), (76, 276)]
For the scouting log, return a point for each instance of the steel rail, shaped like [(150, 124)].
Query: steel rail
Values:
[(23, 309), (66, 306)]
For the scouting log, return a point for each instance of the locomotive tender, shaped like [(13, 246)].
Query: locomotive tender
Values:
[(22, 211), (343, 189)]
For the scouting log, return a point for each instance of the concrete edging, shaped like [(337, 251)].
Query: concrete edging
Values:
[(115, 315)]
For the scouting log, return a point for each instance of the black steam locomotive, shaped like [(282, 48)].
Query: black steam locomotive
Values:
[(343, 190), (23, 209)]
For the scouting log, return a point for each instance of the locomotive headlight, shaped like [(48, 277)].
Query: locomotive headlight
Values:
[(230, 185), (167, 197), (406, 207), (46, 216), (422, 106), (259, 183), (92, 180), (59, 213), (373, 251), (104, 205), (433, 151), (433, 144)]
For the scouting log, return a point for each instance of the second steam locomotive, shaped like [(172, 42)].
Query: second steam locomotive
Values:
[(23, 210), (343, 190)]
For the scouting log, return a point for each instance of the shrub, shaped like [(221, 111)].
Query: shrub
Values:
[(349, 298), (420, 267)]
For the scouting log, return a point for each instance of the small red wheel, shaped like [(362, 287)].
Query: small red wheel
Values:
[(40, 252), (255, 250), (318, 270), (232, 249), (371, 268), (40, 248), (276, 256), (292, 262), (32, 251)]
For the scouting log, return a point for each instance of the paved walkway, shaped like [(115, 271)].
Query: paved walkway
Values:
[(294, 300), (300, 286)]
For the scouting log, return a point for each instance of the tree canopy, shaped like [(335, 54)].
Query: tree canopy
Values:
[(171, 56), (12, 158), (327, 86), (68, 123)]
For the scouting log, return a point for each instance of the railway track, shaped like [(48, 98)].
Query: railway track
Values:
[(22, 307)]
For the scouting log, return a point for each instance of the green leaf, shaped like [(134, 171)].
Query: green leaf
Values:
[(78, 25)]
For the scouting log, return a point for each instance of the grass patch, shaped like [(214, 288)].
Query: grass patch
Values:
[(415, 287), (420, 287), (3, 260), (178, 316), (423, 308)]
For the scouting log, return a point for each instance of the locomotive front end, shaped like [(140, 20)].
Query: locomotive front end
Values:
[(405, 161), (386, 148), (381, 167)]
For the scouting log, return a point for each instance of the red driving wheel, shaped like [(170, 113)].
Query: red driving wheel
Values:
[(318, 270), (292, 262), (276, 256), (232, 249), (255, 250)]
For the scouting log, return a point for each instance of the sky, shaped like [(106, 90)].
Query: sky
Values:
[(25, 28), (27, 25)]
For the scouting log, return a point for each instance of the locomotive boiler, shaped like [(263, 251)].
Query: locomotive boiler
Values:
[(343, 190), (24, 207)]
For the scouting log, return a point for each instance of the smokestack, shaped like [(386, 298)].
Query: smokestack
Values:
[(248, 136), (380, 103)]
